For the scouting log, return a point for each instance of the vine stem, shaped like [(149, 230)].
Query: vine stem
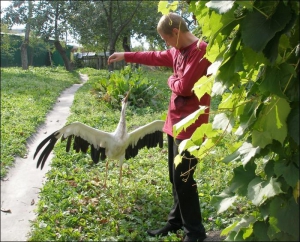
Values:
[(291, 76)]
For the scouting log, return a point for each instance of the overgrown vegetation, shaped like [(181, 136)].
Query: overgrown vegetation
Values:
[(26, 97), (143, 89)]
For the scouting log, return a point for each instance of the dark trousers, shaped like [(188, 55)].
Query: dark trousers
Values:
[(186, 211)]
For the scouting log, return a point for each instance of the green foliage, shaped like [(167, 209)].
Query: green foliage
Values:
[(74, 205), (8, 44), (110, 21), (26, 97), (254, 48), (143, 90)]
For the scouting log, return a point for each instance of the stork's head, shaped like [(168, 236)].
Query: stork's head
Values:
[(125, 99)]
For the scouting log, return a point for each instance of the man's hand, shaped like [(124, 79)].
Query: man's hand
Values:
[(117, 56)]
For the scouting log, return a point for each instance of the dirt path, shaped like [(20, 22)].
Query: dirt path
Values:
[(20, 188)]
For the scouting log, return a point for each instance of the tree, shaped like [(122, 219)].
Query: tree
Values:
[(51, 20), (108, 24), (20, 12), (25, 43), (254, 48), (106, 21), (8, 44)]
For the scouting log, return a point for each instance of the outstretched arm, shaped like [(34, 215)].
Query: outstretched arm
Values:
[(117, 56)]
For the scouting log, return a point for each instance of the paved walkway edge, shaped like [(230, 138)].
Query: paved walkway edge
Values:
[(21, 187)]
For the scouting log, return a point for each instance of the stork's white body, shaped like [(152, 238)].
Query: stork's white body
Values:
[(116, 145)]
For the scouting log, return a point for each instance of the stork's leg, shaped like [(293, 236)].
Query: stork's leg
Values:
[(120, 175), (106, 168)]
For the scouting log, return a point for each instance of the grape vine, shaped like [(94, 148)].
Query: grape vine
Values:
[(254, 47)]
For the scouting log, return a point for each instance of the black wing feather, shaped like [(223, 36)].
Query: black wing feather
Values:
[(95, 154), (79, 144), (69, 143), (43, 143), (149, 140), (43, 157)]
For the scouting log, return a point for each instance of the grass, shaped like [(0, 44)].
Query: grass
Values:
[(74, 205), (26, 97)]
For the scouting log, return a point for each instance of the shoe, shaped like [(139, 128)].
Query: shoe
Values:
[(194, 239), (163, 231)]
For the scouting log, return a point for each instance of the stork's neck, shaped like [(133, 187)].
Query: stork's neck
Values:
[(121, 128)]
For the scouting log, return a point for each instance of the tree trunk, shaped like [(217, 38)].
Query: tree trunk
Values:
[(24, 46), (126, 46), (62, 52), (111, 51), (24, 57)]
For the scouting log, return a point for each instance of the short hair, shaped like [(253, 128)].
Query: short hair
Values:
[(170, 21)]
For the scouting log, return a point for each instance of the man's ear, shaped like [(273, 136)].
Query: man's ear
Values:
[(175, 31)]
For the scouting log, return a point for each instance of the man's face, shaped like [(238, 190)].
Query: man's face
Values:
[(170, 40)]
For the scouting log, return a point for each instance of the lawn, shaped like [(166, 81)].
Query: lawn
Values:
[(73, 203), (26, 97)]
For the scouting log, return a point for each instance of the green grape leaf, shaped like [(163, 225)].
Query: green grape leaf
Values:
[(220, 6), (272, 119), (218, 88), (203, 85), (232, 157), (289, 172), (261, 138), (257, 29), (242, 175), (205, 130), (260, 228), (243, 223), (214, 53), (206, 146), (296, 192), (274, 78), (247, 151), (177, 160), (259, 190), (222, 202), (293, 124), (187, 121), (246, 4), (229, 228), (247, 116), (219, 26), (221, 121), (164, 7), (185, 144), (287, 214), (214, 67), (228, 71)]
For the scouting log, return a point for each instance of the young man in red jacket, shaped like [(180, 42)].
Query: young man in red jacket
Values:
[(186, 59)]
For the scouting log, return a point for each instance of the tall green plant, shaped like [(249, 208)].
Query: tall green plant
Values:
[(254, 48), (143, 90)]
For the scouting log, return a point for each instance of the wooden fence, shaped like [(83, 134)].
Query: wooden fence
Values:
[(100, 62)]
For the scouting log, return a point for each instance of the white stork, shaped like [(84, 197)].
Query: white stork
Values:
[(116, 145)]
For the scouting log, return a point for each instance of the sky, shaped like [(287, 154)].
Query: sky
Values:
[(5, 4)]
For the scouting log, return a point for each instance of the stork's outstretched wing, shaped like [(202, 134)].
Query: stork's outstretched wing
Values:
[(84, 136), (149, 135)]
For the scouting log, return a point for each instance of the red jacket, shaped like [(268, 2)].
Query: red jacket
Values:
[(188, 67)]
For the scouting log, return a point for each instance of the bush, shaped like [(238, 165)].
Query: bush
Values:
[(143, 91)]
